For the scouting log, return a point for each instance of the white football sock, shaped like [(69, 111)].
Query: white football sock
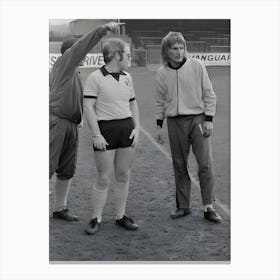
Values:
[(208, 206), (99, 198), (61, 193), (121, 193)]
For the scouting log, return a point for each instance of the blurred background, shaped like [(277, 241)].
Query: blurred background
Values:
[(208, 37)]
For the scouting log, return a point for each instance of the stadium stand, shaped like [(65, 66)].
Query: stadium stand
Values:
[(145, 36), (201, 35)]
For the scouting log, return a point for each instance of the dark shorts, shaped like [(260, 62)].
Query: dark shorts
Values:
[(116, 133), (63, 147)]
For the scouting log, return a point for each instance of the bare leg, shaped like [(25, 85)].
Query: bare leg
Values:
[(123, 161), (61, 193)]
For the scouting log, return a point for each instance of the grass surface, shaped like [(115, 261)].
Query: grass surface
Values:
[(152, 196)]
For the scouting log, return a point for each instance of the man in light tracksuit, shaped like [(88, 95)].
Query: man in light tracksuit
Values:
[(186, 97), (65, 114)]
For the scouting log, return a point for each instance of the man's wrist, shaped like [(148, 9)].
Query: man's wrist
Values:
[(105, 28), (96, 135)]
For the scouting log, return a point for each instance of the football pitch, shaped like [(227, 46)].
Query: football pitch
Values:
[(152, 195)]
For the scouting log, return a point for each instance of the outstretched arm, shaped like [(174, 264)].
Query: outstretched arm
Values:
[(82, 47)]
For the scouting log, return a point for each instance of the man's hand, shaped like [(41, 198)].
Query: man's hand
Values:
[(159, 135), (81, 124), (207, 128), (99, 142), (113, 26), (135, 136)]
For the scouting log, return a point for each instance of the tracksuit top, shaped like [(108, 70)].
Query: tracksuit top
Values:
[(186, 90), (66, 92), (113, 93)]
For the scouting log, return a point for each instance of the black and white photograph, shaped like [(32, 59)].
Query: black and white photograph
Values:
[(139, 140)]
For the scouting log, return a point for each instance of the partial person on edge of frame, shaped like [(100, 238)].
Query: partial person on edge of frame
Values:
[(65, 114)]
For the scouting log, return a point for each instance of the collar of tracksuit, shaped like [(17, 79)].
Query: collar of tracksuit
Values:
[(175, 68)]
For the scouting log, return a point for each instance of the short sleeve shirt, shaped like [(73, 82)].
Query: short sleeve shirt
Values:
[(113, 93)]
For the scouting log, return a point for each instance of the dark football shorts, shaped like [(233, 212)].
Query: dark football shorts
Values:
[(116, 133)]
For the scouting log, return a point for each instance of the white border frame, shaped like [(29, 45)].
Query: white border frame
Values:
[(254, 141)]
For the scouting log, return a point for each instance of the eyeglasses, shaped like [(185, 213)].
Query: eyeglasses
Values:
[(128, 55)]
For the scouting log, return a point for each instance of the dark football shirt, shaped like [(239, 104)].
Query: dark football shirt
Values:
[(66, 93)]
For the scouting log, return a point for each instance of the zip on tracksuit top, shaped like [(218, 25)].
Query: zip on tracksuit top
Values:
[(186, 90), (66, 96)]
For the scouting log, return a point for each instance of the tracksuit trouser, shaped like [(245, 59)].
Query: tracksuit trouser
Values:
[(63, 147), (184, 132)]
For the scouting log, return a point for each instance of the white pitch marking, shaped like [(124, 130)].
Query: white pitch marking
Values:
[(218, 202), (194, 180), (152, 139)]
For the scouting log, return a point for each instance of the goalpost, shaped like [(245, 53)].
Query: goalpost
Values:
[(139, 57)]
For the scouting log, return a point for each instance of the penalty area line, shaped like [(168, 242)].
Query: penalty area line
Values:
[(193, 179)]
